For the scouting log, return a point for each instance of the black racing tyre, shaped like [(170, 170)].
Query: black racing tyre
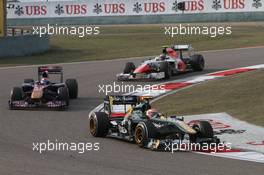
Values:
[(72, 85), (198, 62), (165, 67), (143, 132), (204, 129), (29, 80), (63, 94), (16, 94), (193, 138), (99, 124), (129, 68)]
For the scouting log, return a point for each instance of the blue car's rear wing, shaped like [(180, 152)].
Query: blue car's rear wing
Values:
[(50, 70)]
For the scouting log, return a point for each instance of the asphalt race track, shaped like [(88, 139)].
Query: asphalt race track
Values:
[(19, 129)]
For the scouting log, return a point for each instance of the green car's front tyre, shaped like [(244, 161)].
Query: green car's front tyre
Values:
[(204, 130), (99, 124), (144, 131)]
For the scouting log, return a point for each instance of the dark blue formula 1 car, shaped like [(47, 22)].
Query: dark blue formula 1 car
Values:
[(44, 93)]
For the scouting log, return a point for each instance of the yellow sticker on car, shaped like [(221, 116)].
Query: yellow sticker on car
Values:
[(186, 127)]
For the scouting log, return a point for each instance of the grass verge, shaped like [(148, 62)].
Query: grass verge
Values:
[(136, 40), (239, 95)]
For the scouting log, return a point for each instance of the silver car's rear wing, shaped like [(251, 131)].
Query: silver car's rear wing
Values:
[(181, 47)]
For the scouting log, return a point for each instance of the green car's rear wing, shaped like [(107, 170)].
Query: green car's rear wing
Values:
[(122, 103), (122, 99)]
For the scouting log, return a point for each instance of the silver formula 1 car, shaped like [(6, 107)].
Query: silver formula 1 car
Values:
[(175, 59), (44, 93)]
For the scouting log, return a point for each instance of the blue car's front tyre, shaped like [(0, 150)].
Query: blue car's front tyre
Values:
[(72, 86), (17, 94)]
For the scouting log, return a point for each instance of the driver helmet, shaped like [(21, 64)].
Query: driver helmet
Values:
[(45, 78), (172, 52), (45, 74), (152, 112), (163, 57)]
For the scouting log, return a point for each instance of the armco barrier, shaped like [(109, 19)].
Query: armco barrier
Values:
[(23, 45)]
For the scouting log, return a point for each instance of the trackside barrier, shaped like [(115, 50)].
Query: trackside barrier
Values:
[(23, 45), (129, 12)]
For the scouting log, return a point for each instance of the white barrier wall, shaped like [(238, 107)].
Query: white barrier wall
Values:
[(128, 8)]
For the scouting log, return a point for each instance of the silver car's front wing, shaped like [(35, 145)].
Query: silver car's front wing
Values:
[(156, 76)]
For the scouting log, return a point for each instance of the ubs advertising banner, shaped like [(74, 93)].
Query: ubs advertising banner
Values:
[(2, 18), (128, 8)]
